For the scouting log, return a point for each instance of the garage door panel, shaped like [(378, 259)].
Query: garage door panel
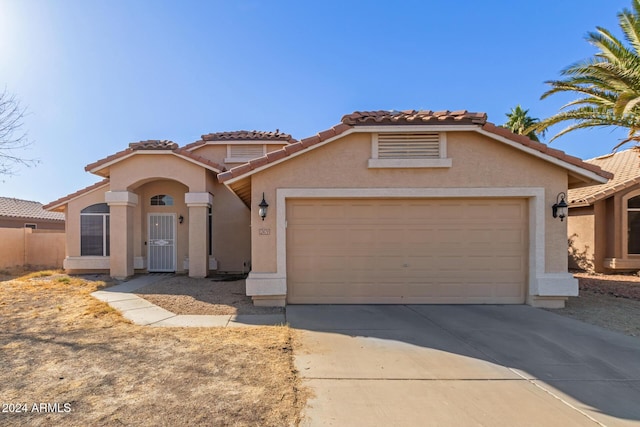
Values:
[(407, 251)]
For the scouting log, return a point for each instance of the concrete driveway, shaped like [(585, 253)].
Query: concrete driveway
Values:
[(432, 365)]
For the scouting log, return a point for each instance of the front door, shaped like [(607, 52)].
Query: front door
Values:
[(162, 242)]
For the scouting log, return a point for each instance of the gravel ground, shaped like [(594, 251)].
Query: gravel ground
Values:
[(184, 295), (609, 301)]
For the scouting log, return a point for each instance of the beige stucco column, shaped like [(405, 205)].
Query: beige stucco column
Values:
[(199, 204), (121, 204)]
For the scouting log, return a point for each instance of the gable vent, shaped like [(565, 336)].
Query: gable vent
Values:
[(246, 151), (409, 145)]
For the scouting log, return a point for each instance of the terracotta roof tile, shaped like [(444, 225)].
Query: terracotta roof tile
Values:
[(239, 170), (108, 159), (292, 148), (17, 208), (285, 151), (260, 161), (249, 135), (312, 140), (224, 176), (153, 144), (76, 194), (326, 134), (199, 159), (538, 146), (413, 117), (276, 155), (384, 117), (625, 166)]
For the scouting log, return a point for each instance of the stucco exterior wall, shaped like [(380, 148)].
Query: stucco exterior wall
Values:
[(139, 169), (218, 152), (611, 225), (214, 152), (22, 247), (73, 217), (231, 231), (477, 161), (581, 234)]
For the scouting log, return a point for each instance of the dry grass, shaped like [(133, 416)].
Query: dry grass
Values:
[(60, 345)]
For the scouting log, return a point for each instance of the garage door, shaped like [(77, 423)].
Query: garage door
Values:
[(447, 251)]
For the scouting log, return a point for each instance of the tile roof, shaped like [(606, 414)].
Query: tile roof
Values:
[(625, 165), (154, 145), (413, 117), (243, 135), (545, 149), (248, 135), (57, 203), (408, 117), (17, 208)]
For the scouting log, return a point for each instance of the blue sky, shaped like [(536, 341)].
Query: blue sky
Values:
[(96, 75)]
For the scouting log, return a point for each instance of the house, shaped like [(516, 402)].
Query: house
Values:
[(604, 219), (385, 207), (17, 213)]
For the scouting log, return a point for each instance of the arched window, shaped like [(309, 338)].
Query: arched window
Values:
[(94, 230), (162, 200)]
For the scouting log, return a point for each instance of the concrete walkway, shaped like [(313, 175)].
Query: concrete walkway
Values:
[(463, 366), (142, 312)]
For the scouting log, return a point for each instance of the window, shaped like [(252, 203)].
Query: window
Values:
[(94, 230), (409, 150), (241, 153), (162, 200), (31, 226), (633, 225)]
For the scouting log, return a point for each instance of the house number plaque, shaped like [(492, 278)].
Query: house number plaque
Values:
[(264, 231)]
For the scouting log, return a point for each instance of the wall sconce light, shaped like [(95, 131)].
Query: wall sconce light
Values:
[(263, 208), (180, 219), (560, 208)]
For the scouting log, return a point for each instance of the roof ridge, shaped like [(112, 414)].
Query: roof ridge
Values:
[(355, 117), (415, 117)]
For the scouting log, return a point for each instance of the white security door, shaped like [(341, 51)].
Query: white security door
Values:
[(162, 243)]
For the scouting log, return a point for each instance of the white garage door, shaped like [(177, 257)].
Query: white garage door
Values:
[(389, 251)]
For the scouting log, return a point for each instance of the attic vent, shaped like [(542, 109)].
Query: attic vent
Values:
[(244, 153), (409, 145)]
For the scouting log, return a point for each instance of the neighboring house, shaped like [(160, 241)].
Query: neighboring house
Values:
[(16, 213), (604, 219), (385, 207)]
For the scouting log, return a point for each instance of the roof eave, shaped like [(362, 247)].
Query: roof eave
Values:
[(290, 156), (59, 204), (103, 169), (585, 175)]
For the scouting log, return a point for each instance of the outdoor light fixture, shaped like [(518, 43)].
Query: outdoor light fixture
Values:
[(263, 208), (560, 208), (180, 219)]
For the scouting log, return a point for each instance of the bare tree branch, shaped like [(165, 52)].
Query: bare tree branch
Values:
[(13, 138)]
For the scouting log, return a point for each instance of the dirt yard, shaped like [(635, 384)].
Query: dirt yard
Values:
[(608, 301), (68, 359), (218, 295)]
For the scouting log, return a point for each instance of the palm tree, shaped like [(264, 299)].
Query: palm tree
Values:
[(520, 121), (608, 83)]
